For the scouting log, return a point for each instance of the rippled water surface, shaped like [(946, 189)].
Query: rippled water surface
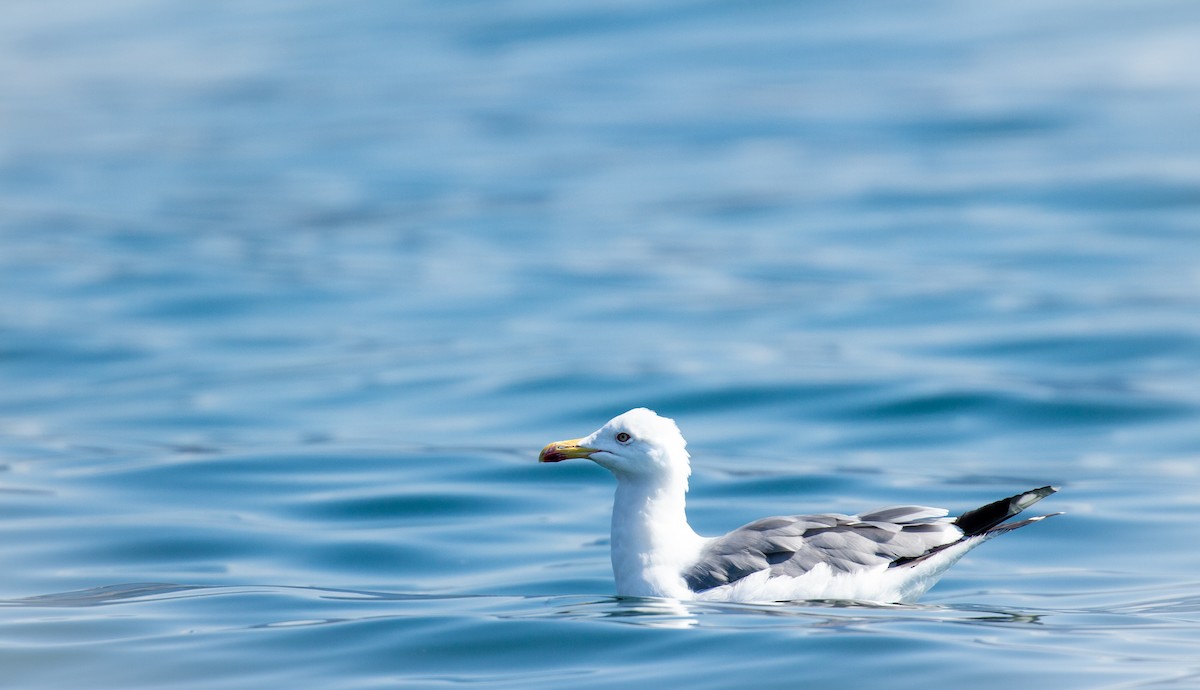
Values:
[(292, 293)]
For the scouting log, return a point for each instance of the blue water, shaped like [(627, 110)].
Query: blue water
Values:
[(292, 293)]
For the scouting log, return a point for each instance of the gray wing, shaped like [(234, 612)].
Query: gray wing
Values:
[(793, 545)]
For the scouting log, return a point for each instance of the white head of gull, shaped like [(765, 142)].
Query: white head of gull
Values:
[(889, 555)]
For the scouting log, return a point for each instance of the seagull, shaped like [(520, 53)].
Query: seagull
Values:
[(890, 555)]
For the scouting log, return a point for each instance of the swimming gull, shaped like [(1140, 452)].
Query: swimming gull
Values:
[(891, 555)]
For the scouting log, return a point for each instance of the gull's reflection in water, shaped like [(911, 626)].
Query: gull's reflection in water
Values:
[(642, 611), (655, 613), (810, 615)]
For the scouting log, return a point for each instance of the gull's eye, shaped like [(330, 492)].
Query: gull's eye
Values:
[(624, 437)]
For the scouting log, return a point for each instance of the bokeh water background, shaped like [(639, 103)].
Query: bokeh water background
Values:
[(291, 294)]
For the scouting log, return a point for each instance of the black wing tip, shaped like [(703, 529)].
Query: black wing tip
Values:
[(1010, 526), (987, 517), (988, 521), (1023, 501)]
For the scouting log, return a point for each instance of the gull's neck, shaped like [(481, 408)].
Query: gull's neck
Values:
[(651, 539)]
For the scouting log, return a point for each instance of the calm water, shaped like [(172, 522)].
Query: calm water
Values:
[(292, 293)]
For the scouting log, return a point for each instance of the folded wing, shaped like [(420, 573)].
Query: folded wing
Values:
[(896, 536), (793, 545)]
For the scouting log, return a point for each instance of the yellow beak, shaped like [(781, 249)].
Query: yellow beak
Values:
[(564, 450)]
